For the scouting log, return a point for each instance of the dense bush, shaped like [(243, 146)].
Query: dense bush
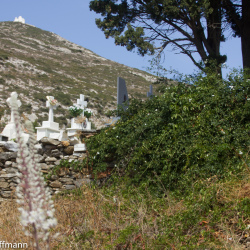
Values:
[(192, 131)]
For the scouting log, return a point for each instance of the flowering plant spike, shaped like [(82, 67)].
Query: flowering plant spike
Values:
[(36, 206)]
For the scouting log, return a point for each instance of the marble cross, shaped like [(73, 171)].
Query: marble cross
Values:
[(51, 103), (81, 102)]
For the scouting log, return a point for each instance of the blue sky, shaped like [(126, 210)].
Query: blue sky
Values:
[(75, 22)]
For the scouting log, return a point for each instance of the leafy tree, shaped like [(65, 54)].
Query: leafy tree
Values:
[(237, 14), (190, 26)]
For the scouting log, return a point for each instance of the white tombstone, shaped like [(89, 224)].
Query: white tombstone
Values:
[(150, 93), (49, 128), (122, 94), (9, 132)]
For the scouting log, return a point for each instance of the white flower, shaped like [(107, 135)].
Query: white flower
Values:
[(240, 152)]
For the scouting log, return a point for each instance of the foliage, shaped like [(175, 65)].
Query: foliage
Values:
[(187, 26), (63, 98), (190, 132), (75, 111), (87, 114)]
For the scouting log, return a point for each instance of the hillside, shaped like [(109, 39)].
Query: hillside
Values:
[(36, 63)]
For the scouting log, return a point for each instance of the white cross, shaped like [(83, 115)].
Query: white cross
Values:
[(81, 102), (51, 103)]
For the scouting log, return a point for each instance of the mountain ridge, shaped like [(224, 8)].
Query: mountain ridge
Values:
[(36, 63)]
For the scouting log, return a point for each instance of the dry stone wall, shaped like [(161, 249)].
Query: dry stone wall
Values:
[(50, 153)]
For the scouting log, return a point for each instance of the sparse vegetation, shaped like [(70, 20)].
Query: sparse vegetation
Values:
[(41, 67)]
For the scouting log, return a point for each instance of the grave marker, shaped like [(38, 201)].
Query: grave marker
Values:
[(81, 103), (122, 94), (9, 132), (49, 128), (150, 93)]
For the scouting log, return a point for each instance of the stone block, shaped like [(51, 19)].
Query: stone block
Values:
[(69, 150), (9, 175), (11, 170), (57, 162), (54, 177), (50, 159), (10, 146), (8, 164), (55, 153), (44, 166), (6, 156), (69, 187), (79, 182), (55, 184), (67, 181), (49, 141), (4, 184), (7, 194)]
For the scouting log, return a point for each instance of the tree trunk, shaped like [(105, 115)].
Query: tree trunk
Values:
[(214, 33), (245, 34)]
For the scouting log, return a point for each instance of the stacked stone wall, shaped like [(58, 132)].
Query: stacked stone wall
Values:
[(50, 154)]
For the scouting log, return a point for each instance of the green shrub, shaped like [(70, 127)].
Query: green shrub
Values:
[(40, 96), (63, 98), (190, 132)]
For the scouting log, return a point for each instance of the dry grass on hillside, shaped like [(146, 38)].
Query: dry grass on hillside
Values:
[(91, 219)]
